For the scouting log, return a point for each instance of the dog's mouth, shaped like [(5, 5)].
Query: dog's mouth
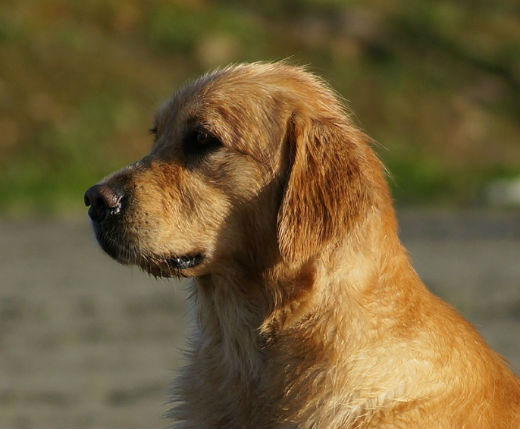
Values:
[(184, 262), (172, 266), (128, 253)]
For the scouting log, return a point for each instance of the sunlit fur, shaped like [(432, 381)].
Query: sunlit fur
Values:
[(306, 310)]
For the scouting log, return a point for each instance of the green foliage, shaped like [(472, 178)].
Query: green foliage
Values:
[(437, 84), (173, 27)]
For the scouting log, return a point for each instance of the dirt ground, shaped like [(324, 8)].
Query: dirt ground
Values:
[(85, 342)]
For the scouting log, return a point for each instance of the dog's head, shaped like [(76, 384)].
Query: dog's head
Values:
[(256, 163)]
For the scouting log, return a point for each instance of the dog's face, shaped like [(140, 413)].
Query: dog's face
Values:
[(242, 164)]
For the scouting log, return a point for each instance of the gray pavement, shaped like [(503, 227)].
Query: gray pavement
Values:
[(85, 342)]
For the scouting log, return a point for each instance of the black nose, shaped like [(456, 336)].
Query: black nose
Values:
[(102, 200)]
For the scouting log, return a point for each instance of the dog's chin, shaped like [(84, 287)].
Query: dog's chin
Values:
[(170, 265)]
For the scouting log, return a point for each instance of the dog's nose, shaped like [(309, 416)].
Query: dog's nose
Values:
[(102, 200)]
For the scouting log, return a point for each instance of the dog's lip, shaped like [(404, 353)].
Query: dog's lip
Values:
[(127, 253), (185, 261), (171, 266)]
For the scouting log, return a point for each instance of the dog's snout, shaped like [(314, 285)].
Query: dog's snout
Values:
[(102, 200)]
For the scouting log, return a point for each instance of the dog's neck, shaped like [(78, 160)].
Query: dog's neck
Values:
[(245, 315)]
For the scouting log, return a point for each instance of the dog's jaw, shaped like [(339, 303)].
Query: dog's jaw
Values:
[(127, 252)]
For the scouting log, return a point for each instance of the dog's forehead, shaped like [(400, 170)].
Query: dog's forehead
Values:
[(248, 90), (178, 107), (234, 107), (235, 85), (247, 108)]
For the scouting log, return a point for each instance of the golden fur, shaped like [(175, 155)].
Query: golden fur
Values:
[(307, 312)]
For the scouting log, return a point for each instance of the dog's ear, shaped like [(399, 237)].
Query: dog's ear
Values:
[(325, 192)]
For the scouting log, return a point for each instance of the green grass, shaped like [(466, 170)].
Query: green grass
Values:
[(436, 84)]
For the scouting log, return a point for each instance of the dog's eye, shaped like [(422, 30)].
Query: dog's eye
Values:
[(200, 142)]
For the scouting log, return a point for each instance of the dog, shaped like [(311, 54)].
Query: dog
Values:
[(307, 311)]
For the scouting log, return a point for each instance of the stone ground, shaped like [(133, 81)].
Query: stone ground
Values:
[(85, 342)]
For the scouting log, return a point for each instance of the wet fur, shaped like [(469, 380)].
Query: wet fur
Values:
[(306, 310)]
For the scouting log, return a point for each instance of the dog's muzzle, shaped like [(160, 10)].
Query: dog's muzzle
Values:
[(107, 206)]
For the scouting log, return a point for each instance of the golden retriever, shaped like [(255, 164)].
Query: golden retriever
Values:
[(307, 311)]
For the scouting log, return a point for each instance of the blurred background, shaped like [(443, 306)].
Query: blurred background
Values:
[(85, 342)]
